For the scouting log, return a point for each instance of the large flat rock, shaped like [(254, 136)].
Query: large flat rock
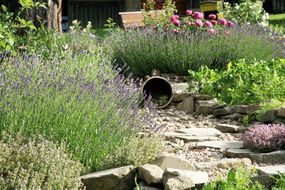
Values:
[(226, 128), (225, 163), (114, 179), (276, 157), (188, 138), (238, 153), (220, 144), (271, 170), (200, 131)]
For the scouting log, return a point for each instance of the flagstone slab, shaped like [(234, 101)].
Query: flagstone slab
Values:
[(189, 138), (220, 144), (226, 128), (272, 170), (238, 153), (200, 131)]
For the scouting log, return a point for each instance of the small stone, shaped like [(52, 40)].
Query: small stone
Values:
[(186, 105), (170, 161), (200, 131), (179, 88), (276, 157), (238, 153), (205, 106), (226, 128), (197, 96), (252, 108), (240, 109), (151, 174), (268, 116), (272, 170), (180, 97), (225, 163), (233, 116), (116, 179), (281, 112), (220, 144), (223, 111)]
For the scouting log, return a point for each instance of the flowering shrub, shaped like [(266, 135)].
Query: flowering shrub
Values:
[(265, 137), (79, 99), (36, 164), (248, 11)]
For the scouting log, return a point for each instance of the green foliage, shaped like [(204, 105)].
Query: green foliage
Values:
[(236, 179), (248, 11), (137, 151), (36, 164), (279, 182), (10, 25), (243, 82)]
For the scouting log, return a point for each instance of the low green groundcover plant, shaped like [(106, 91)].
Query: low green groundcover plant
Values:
[(171, 52), (79, 100), (243, 82), (36, 164)]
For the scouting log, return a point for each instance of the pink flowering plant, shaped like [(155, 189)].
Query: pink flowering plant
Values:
[(265, 138), (196, 22)]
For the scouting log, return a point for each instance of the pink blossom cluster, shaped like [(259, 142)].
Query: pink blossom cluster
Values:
[(196, 19), (265, 137)]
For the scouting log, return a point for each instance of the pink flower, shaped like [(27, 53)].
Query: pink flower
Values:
[(212, 16), (175, 31), (198, 23), (208, 23), (188, 23), (231, 24), (214, 22), (174, 17), (198, 15), (212, 31), (189, 12), (223, 22), (176, 22)]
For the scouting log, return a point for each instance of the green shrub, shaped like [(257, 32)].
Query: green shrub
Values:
[(238, 178), (137, 151), (36, 164), (78, 99), (144, 50), (248, 11), (244, 82)]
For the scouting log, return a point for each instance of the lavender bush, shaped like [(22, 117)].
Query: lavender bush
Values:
[(143, 50), (265, 137), (79, 100)]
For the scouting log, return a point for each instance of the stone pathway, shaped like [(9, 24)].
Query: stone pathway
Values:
[(211, 145)]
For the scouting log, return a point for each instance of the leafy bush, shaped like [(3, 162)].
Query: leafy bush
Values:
[(79, 99), (137, 151), (238, 178), (144, 50), (248, 11), (243, 82), (36, 164), (265, 137)]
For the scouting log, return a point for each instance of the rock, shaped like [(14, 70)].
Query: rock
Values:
[(240, 109), (180, 97), (226, 128), (205, 107), (271, 170), (179, 88), (276, 157), (188, 138), (238, 153), (233, 116), (170, 161), (174, 77), (200, 131), (220, 144), (143, 186), (225, 163), (252, 108), (114, 179), (281, 112), (223, 111), (186, 105), (197, 96), (151, 174), (268, 116), (174, 179)]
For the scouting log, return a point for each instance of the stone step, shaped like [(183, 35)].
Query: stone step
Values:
[(200, 131), (188, 138), (271, 170), (220, 144), (226, 128)]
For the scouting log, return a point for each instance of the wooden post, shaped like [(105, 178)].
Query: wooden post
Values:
[(54, 14)]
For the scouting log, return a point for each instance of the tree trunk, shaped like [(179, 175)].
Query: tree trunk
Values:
[(54, 14)]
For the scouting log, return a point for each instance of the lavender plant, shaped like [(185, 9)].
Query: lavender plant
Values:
[(79, 99), (265, 137), (143, 50)]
